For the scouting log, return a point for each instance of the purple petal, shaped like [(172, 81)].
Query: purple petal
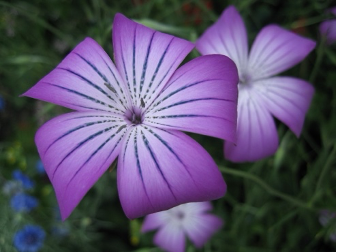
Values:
[(256, 133), (286, 98), (153, 221), (275, 50), (160, 169), (170, 238), (202, 227), (198, 207), (201, 97), (328, 30), (228, 37), (146, 58), (83, 81), (76, 149)]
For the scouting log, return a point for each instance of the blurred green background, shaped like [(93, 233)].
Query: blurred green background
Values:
[(271, 205)]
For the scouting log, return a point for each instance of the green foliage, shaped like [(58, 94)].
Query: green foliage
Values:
[(271, 205)]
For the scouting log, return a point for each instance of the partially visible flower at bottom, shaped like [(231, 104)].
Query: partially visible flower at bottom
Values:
[(328, 28), (325, 217), (29, 239), (22, 202), (190, 219), (27, 183)]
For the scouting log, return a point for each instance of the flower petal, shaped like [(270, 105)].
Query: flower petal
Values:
[(85, 80), (275, 50), (160, 169), (328, 30), (197, 207), (170, 238), (256, 133), (286, 98), (145, 58), (201, 97), (76, 149), (200, 228), (153, 221), (228, 37)]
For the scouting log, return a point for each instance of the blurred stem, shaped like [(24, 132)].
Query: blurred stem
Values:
[(307, 22), (320, 181), (39, 21), (320, 53), (269, 189), (285, 218)]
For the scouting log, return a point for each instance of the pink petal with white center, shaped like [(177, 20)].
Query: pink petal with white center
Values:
[(76, 149), (228, 37), (160, 169), (276, 50), (145, 58), (286, 98), (85, 80), (201, 227), (201, 97), (256, 132), (170, 238)]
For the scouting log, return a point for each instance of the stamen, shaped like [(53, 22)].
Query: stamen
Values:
[(134, 116), (110, 87), (142, 103)]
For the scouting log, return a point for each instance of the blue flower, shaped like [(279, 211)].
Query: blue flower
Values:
[(60, 230), (27, 183), (2, 103), (11, 187), (29, 238), (22, 202), (40, 168)]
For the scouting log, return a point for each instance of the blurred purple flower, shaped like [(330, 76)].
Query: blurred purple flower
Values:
[(135, 110), (27, 183), (328, 28), (191, 220), (261, 94), (22, 202), (29, 239), (327, 216)]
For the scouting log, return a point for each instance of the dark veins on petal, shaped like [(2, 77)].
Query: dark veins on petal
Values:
[(148, 147), (84, 96), (98, 149), (91, 137), (78, 128)]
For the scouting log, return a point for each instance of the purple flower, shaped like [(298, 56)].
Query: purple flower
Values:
[(261, 94), (134, 110), (22, 202), (328, 28), (327, 217), (29, 239), (191, 220), (27, 183)]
